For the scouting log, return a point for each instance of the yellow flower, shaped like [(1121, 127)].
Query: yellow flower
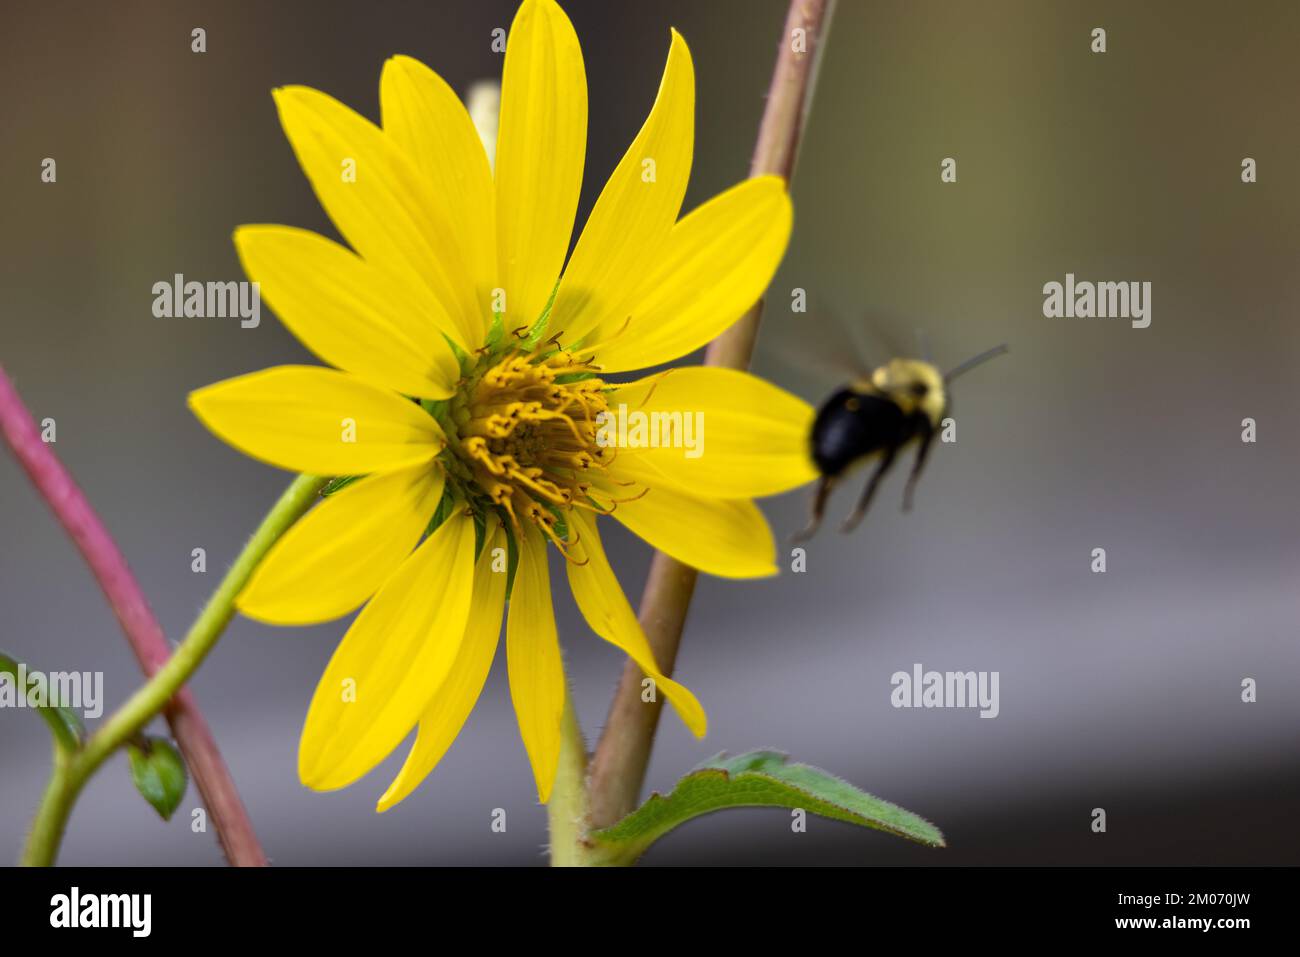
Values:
[(467, 389)]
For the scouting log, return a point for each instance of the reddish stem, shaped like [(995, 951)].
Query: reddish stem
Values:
[(618, 767), (143, 633)]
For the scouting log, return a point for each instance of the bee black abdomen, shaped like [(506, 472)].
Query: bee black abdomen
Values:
[(852, 424)]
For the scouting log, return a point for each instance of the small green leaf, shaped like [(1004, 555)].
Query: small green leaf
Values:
[(158, 772), (65, 724), (755, 779)]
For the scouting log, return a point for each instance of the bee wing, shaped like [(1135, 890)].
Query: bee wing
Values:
[(883, 336), (816, 349)]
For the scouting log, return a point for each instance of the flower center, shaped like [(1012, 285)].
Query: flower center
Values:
[(526, 429)]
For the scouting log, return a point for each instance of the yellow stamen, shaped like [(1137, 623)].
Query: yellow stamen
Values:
[(527, 437)]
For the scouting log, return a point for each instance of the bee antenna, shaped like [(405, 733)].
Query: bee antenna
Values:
[(975, 361)]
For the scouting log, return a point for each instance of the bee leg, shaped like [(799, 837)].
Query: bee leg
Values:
[(818, 509), (869, 492), (927, 440)]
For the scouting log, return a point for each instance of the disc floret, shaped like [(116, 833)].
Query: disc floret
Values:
[(522, 432)]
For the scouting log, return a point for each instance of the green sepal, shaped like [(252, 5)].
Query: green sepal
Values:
[(480, 534), (512, 557), (561, 523), (754, 779), (462, 357), (538, 330), (496, 330), (571, 377), (446, 505), (158, 773), (435, 407), (338, 484)]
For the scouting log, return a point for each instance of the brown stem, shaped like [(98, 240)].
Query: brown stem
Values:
[(143, 633), (619, 764)]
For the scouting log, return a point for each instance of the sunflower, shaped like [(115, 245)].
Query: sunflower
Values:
[(469, 377)]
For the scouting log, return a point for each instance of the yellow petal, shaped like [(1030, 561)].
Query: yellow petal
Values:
[(429, 123), (725, 537), (541, 145), (394, 656), (753, 440), (715, 265), (349, 313), (636, 209), (342, 551), (601, 600), (452, 703), (381, 204), (533, 656), (309, 419)]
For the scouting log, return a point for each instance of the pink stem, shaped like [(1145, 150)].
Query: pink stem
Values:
[(145, 635), (618, 767)]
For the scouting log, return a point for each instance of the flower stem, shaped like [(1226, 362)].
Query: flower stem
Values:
[(167, 672), (143, 633), (150, 698), (567, 809), (51, 816), (619, 764)]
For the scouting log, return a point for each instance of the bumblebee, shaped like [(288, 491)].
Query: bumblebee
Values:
[(903, 401)]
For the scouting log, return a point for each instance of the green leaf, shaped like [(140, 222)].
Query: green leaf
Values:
[(65, 724), (158, 772), (755, 779)]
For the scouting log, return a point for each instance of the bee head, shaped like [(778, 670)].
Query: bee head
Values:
[(915, 385)]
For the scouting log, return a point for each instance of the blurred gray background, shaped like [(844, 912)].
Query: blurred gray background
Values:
[(1119, 691)]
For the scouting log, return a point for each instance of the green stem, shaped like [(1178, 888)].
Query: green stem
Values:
[(51, 816), (567, 809), (71, 772)]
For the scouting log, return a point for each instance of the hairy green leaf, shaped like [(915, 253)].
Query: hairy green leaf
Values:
[(755, 779)]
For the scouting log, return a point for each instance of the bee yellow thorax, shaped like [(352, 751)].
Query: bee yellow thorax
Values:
[(914, 385)]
